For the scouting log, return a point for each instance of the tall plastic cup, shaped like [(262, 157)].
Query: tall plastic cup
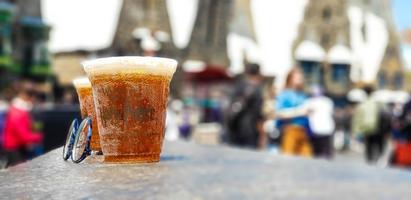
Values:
[(130, 97)]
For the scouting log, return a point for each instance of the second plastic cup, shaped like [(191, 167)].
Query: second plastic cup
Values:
[(85, 96)]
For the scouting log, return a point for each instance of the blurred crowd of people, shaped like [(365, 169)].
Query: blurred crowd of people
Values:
[(296, 122), (248, 113), (303, 126)]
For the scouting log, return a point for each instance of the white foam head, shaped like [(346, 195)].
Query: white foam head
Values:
[(81, 82), (131, 64)]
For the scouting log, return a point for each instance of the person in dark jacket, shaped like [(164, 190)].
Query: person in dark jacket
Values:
[(245, 123)]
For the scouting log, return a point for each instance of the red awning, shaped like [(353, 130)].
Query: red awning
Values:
[(210, 73)]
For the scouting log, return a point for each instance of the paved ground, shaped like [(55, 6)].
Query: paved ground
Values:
[(349, 157), (190, 171), (355, 156)]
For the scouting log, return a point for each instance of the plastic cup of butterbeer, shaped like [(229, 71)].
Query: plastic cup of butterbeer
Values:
[(85, 96), (130, 97)]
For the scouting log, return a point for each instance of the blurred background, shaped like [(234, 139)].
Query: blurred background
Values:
[(238, 82)]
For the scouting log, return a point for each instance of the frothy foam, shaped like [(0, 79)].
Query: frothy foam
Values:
[(81, 82), (131, 64)]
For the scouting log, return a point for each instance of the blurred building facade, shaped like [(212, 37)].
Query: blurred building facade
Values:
[(391, 74), (351, 38), (24, 43), (406, 51), (325, 24), (341, 61)]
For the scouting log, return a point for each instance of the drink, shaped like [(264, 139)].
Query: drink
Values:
[(85, 95), (131, 97)]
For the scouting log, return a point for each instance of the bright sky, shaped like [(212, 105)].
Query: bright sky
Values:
[(80, 24), (402, 17), (402, 13)]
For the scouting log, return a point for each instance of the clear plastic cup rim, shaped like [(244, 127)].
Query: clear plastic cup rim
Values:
[(131, 64), (81, 82)]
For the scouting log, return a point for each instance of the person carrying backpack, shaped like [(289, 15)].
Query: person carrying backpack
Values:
[(245, 116), (365, 124)]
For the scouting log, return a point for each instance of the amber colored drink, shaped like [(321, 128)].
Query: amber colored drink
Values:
[(131, 97), (85, 95)]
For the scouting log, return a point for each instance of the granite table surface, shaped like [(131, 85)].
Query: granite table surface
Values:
[(190, 171)]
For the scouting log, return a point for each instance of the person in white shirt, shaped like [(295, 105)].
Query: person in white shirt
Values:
[(321, 122)]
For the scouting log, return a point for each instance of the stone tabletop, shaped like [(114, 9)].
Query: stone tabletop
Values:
[(190, 171)]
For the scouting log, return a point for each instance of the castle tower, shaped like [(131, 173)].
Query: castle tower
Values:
[(208, 42), (242, 20), (143, 18)]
